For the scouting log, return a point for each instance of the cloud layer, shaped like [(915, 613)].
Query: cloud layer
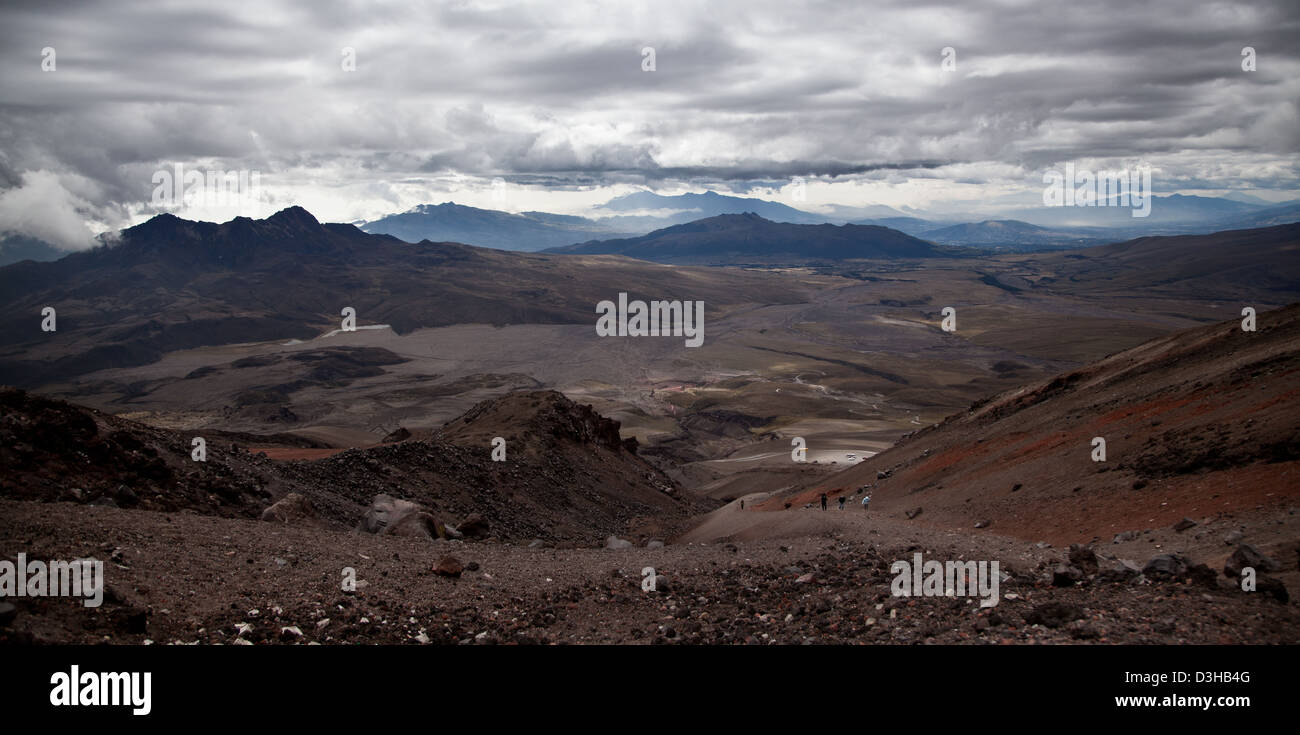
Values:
[(553, 98)]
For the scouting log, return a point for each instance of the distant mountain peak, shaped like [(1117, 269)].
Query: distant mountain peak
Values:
[(748, 237), (293, 215), (492, 228), (157, 225)]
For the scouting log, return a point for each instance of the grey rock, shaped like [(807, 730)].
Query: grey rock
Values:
[(392, 516), (1119, 570), (1248, 556), (1165, 566)]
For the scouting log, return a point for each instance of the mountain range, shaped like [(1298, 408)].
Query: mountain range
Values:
[(749, 238), (1020, 230), (170, 284)]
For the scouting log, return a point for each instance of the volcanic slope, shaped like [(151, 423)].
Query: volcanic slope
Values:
[(1202, 424), (567, 477)]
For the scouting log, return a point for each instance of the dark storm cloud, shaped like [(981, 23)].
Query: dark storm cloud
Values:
[(554, 95)]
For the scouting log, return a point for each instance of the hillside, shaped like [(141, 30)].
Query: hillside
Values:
[(1198, 424), (1010, 235), (567, 478), (1230, 265), (749, 238)]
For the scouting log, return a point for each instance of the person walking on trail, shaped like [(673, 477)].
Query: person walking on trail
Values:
[(841, 502), (866, 500), (742, 505), (823, 501)]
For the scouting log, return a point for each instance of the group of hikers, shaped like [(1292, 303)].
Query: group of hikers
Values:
[(866, 500)]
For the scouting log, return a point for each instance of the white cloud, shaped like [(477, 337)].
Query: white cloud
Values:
[(552, 97), (43, 208)]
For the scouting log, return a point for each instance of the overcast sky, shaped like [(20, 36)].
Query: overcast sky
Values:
[(553, 99)]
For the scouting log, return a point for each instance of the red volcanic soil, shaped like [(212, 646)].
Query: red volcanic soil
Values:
[(1202, 424)]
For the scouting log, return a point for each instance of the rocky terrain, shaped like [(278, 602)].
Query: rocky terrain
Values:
[(558, 544), (567, 476), (186, 578)]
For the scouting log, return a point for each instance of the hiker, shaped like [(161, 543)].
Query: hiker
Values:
[(841, 502), (823, 501), (742, 505), (866, 500)]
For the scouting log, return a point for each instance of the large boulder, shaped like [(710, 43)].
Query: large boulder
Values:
[(396, 517), (292, 508), (1248, 556)]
